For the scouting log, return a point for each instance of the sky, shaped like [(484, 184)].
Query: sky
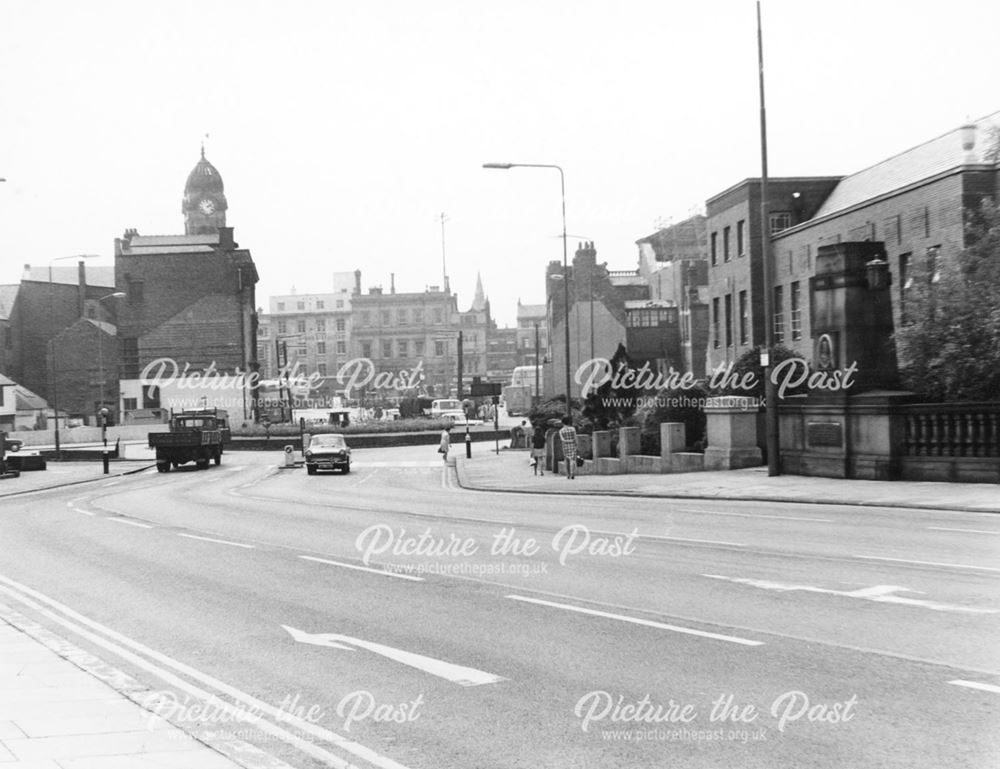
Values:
[(342, 130)]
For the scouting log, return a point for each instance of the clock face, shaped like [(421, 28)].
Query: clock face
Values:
[(207, 207)]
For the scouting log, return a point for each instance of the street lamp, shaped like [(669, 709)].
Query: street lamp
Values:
[(100, 368), (55, 373), (562, 187)]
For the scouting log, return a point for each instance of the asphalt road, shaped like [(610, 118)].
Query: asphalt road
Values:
[(387, 618)]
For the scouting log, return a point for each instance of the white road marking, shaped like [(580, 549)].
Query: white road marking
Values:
[(19, 592), (977, 685), (362, 568), (878, 593), (755, 515), (130, 523), (637, 621), (700, 541), (458, 674), (425, 463), (970, 531), (926, 563), (218, 541)]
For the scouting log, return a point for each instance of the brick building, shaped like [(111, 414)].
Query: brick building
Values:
[(531, 317), (735, 259), (189, 303)]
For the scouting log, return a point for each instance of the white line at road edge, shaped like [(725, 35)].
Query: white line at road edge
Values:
[(926, 563), (17, 591), (970, 531), (977, 685), (637, 621), (362, 568), (217, 541)]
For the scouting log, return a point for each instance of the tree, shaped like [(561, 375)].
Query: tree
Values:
[(949, 340), (610, 405)]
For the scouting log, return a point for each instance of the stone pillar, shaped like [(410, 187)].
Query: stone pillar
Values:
[(731, 424), (629, 441), (672, 439), (601, 443)]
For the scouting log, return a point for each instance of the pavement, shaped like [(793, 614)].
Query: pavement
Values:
[(60, 708), (510, 471), (59, 474)]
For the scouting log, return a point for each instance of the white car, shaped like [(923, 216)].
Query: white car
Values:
[(448, 408)]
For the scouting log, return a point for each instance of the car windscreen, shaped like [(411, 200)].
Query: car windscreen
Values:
[(327, 441)]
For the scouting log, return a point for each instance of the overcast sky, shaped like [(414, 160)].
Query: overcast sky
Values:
[(343, 129)]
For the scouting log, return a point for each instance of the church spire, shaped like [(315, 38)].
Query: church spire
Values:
[(479, 303)]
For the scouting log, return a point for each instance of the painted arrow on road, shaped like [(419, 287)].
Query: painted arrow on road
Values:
[(449, 671), (877, 593)]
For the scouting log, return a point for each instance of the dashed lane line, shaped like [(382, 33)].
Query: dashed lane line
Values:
[(970, 531), (638, 621), (926, 563), (977, 685), (217, 541), (368, 569), (130, 523)]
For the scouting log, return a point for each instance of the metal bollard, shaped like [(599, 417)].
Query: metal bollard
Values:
[(289, 456), (106, 461), (468, 443)]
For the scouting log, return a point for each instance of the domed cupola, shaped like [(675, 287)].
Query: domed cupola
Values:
[(204, 206)]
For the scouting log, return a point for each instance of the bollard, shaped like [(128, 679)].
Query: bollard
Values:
[(468, 443), (106, 462), (289, 456)]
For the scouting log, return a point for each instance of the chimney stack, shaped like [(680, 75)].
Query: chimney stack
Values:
[(392, 283), (81, 291), (357, 282)]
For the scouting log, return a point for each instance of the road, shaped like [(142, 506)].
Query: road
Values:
[(388, 618)]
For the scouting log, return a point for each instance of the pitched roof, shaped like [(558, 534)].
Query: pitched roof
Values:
[(8, 293), (924, 161)]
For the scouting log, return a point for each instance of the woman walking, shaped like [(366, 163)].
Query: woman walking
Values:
[(538, 450), (445, 443), (568, 437)]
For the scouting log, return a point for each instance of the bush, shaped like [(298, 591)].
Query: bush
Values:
[(749, 363), (673, 406)]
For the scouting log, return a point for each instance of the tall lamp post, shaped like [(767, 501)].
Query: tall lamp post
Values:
[(100, 368), (562, 187), (55, 367)]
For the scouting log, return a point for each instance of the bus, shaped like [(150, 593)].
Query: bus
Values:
[(524, 376)]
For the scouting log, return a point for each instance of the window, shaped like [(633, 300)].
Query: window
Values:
[(130, 358), (715, 248), (418, 348), (130, 404), (418, 317), (340, 304), (342, 348), (440, 350), (320, 325), (341, 325), (725, 244), (715, 322), (321, 348), (438, 315), (321, 368), (366, 318), (796, 299), (779, 314), (282, 327), (741, 241), (779, 220), (744, 318), (386, 318), (403, 346), (300, 306), (729, 320), (933, 265), (300, 326), (281, 306), (320, 304), (386, 348), (905, 284), (366, 349), (401, 317), (262, 332)]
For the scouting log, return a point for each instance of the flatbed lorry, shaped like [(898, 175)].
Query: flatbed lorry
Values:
[(193, 437)]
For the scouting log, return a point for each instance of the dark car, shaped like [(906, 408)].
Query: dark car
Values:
[(328, 451), (12, 444)]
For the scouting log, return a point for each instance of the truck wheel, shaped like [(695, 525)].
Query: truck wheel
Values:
[(201, 464), (311, 469), (347, 468), (162, 467), (218, 457)]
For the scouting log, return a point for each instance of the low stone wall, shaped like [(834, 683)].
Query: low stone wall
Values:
[(69, 436)]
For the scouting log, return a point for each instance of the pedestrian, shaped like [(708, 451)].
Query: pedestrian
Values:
[(568, 437), (445, 443), (538, 450)]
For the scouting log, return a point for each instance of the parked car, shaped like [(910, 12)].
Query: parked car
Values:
[(448, 408), (12, 444), (328, 451)]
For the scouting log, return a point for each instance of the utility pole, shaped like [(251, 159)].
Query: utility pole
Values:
[(460, 364)]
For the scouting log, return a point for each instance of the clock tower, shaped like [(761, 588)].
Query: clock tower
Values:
[(204, 205)]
